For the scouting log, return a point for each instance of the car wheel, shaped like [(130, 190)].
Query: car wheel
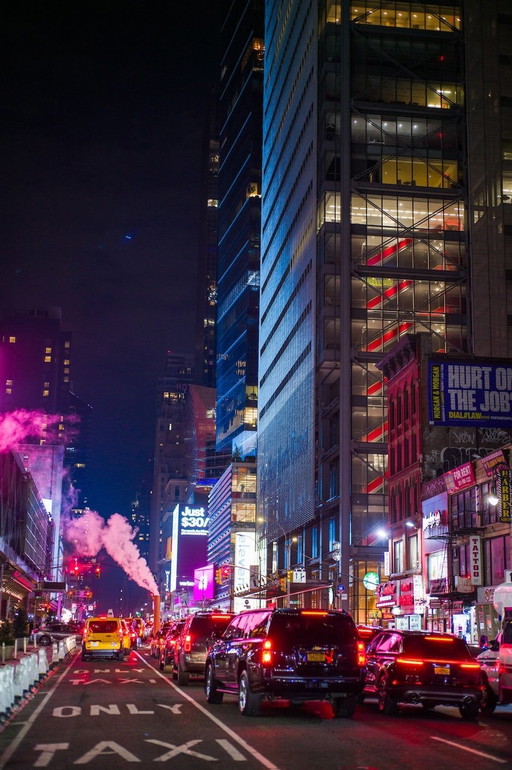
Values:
[(249, 703), (161, 664), (182, 677), (210, 686), (120, 655), (469, 710), (45, 640), (489, 700), (386, 704), (85, 656)]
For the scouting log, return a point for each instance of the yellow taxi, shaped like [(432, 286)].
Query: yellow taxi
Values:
[(104, 637)]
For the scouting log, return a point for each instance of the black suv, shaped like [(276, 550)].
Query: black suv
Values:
[(166, 649), (198, 632), (289, 655), (422, 667)]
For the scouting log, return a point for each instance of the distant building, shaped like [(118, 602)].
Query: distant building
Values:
[(171, 484), (36, 358)]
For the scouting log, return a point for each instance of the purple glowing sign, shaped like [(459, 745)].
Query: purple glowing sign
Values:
[(204, 583)]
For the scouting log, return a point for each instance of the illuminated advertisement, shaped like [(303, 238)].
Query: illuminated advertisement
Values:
[(245, 558), (469, 393), (189, 545), (204, 585)]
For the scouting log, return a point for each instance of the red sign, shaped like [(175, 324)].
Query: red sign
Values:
[(459, 478)]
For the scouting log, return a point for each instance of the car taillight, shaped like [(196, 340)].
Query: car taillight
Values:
[(361, 654), (410, 661), (470, 665), (187, 645), (313, 612), (266, 653)]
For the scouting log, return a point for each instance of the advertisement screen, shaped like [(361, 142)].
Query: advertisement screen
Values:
[(470, 393), (204, 587), (189, 544)]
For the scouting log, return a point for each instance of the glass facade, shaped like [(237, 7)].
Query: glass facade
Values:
[(240, 97), (363, 241)]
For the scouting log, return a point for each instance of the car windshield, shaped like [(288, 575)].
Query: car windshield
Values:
[(436, 646), (103, 626), (311, 630)]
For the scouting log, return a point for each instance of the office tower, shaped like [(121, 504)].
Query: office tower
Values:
[(239, 114), (36, 356), (363, 241), (487, 32), (170, 478), (205, 366)]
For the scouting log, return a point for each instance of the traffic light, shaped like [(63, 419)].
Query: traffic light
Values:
[(97, 571), (226, 571), (282, 584), (218, 576)]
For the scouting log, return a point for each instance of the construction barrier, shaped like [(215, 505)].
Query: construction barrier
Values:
[(19, 676)]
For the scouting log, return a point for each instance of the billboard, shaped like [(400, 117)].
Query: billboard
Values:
[(204, 586), (473, 392), (189, 545)]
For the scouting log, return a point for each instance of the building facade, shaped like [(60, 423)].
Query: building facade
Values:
[(240, 121), (363, 240)]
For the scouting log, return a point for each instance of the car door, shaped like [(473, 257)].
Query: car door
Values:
[(226, 651)]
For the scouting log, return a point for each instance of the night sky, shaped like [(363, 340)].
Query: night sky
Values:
[(103, 110)]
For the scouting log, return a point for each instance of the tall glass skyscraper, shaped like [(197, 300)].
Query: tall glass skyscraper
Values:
[(240, 121), (363, 240)]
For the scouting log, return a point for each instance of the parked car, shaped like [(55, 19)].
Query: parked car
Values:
[(416, 667), (166, 649), (288, 655), (103, 637), (198, 633), (54, 632), (496, 664), (367, 633)]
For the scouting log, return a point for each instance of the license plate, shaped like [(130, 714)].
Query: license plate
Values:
[(316, 657), (94, 644), (441, 670)]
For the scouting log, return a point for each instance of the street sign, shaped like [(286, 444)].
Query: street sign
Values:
[(341, 588)]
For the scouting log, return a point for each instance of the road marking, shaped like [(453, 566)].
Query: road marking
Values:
[(24, 730), (48, 750), (472, 751), (252, 751), (231, 750), (183, 749)]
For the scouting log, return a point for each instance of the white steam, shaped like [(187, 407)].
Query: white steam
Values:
[(90, 533)]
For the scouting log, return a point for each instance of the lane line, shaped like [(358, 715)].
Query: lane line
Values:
[(253, 752), (9, 751), (472, 751)]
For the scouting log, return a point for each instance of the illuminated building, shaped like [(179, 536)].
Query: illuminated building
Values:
[(240, 121), (363, 241), (170, 479)]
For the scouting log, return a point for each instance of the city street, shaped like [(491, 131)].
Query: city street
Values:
[(106, 714)]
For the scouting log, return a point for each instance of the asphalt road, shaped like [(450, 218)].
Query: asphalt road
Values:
[(107, 715)]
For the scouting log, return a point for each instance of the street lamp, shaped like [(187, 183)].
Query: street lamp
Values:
[(288, 565)]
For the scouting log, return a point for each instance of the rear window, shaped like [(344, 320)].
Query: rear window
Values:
[(309, 630), (103, 626), (436, 646), (204, 626)]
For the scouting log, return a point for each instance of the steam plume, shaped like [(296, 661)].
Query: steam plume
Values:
[(17, 426), (89, 533)]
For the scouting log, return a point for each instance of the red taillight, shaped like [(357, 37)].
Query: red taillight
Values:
[(448, 639), (470, 665), (221, 617), (361, 654), (266, 654), (187, 645), (313, 612), (410, 661)]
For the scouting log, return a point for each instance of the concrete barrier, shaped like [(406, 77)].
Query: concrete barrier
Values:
[(19, 675)]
